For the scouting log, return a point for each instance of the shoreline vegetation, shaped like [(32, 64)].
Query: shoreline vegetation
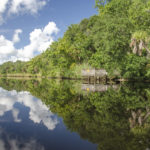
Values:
[(104, 80), (117, 40)]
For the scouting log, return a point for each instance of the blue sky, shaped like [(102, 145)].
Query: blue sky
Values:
[(28, 27)]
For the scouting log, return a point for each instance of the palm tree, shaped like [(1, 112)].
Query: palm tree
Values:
[(139, 42)]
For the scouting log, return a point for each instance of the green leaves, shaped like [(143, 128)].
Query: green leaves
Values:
[(134, 67), (139, 14)]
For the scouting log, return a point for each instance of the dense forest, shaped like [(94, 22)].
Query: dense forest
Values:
[(117, 40), (114, 119)]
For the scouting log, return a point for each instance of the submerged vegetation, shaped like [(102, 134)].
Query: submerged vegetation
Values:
[(117, 39)]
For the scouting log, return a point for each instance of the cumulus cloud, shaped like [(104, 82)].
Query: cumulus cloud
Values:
[(38, 111), (6, 46), (40, 39), (3, 5), (26, 5), (16, 35), (9, 7), (15, 113), (7, 49)]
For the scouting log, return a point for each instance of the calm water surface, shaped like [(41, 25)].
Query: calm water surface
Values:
[(65, 115)]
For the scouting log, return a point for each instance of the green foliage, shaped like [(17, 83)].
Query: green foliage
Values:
[(12, 67), (134, 67), (141, 17), (141, 35)]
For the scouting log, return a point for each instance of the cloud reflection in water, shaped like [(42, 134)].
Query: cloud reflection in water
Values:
[(9, 143), (38, 112)]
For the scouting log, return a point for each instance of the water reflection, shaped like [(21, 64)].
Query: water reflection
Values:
[(30, 116), (38, 112), (117, 117), (98, 87), (9, 143)]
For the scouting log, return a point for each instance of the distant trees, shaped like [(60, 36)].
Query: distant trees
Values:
[(12, 67)]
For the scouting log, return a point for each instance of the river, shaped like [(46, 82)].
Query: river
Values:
[(68, 115)]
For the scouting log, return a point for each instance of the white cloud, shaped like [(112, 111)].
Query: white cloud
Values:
[(50, 28), (6, 49), (16, 35), (31, 6), (9, 7), (6, 46), (38, 111), (15, 113), (3, 5), (40, 39)]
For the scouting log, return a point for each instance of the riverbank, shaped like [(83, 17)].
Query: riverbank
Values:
[(86, 80)]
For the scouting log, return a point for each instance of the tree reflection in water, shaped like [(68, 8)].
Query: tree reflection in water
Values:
[(116, 119)]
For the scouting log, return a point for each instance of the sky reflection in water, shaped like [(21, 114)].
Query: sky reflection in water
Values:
[(27, 124)]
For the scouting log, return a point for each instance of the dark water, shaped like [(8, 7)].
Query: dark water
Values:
[(66, 115)]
